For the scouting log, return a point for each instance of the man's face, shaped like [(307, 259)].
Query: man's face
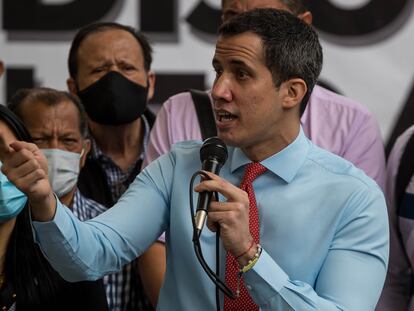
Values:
[(247, 104), (53, 127), (232, 8), (110, 50)]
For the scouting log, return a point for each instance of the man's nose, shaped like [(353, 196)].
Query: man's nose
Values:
[(115, 68), (53, 143), (221, 90)]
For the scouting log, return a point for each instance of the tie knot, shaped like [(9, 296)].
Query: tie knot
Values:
[(253, 170)]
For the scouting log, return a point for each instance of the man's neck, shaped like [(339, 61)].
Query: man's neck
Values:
[(281, 139), (122, 143)]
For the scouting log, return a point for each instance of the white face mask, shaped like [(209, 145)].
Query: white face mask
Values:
[(63, 169)]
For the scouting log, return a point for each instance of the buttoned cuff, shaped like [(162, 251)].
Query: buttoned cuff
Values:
[(265, 279)]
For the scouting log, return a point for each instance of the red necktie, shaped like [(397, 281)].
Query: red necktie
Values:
[(244, 301)]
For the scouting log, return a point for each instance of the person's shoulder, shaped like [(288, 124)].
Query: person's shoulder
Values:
[(334, 166), (332, 100), (183, 98), (186, 145), (179, 106)]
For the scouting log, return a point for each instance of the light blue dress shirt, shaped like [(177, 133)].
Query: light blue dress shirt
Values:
[(323, 228)]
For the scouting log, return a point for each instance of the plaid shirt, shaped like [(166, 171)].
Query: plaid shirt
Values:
[(84, 208), (124, 289)]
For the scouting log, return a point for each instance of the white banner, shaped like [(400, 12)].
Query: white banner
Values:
[(376, 69)]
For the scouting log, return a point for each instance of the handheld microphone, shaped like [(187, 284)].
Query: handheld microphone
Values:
[(213, 155)]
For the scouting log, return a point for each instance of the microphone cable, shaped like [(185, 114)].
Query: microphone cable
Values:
[(214, 276)]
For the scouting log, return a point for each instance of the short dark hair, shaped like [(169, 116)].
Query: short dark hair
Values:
[(291, 47), (90, 29), (295, 6), (50, 97)]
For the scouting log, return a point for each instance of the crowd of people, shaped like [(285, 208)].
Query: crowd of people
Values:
[(94, 204)]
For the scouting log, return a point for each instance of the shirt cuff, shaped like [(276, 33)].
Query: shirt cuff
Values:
[(265, 279), (45, 231)]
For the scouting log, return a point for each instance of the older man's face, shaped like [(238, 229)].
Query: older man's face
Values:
[(54, 127), (110, 50)]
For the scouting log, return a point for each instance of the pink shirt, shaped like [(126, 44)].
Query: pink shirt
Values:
[(331, 121)]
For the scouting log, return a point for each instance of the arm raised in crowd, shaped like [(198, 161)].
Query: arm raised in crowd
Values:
[(26, 167)]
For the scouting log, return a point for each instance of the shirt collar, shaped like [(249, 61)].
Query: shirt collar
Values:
[(286, 163)]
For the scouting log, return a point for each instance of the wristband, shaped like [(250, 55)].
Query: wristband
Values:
[(252, 261), (247, 267), (251, 245)]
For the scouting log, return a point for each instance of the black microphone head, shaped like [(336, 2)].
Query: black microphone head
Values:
[(214, 147)]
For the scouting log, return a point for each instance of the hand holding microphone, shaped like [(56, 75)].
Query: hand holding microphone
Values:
[(233, 214), (213, 155)]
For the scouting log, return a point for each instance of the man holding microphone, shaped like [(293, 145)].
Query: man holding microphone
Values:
[(308, 231)]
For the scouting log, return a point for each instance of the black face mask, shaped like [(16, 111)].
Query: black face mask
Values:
[(114, 100)]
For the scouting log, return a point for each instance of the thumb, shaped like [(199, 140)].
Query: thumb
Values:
[(20, 145)]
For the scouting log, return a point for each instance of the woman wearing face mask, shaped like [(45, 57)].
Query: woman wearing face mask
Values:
[(27, 281)]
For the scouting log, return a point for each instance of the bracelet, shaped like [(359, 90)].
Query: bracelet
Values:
[(251, 245), (247, 267), (252, 261)]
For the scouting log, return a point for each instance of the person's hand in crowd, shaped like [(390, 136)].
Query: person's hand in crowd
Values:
[(26, 167)]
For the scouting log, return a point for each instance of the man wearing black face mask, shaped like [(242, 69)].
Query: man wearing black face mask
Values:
[(109, 67)]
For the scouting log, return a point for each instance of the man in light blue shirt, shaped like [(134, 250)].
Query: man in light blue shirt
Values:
[(323, 223)]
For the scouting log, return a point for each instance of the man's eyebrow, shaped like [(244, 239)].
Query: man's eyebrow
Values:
[(101, 63), (238, 62)]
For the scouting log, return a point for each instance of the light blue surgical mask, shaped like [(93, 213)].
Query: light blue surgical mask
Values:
[(63, 169), (12, 200)]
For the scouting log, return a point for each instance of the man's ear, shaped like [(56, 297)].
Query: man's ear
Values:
[(151, 86), (306, 17), (293, 92), (70, 82), (86, 149)]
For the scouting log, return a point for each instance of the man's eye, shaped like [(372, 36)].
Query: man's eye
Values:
[(69, 140), (98, 70), (241, 74)]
